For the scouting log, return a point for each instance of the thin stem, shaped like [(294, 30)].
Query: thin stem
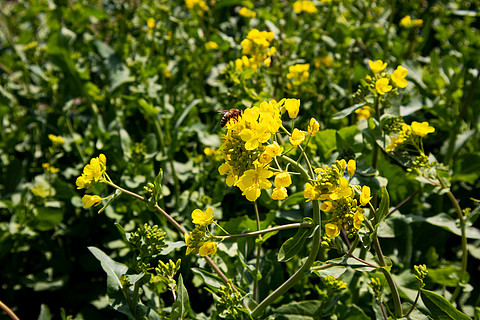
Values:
[(383, 310), (259, 251), (256, 233), (388, 276), (300, 272), (463, 226), (402, 203), (8, 311), (362, 261), (297, 166), (375, 146), (414, 303)]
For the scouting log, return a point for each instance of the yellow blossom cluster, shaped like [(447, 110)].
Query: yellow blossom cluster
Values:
[(382, 82), (407, 134), (250, 146), (256, 50), (49, 168), (339, 197), (408, 23), (199, 5), (298, 73), (56, 140), (150, 25), (92, 173), (326, 61), (211, 45), (304, 6), (197, 241), (247, 13)]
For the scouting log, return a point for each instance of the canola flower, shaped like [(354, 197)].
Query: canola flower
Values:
[(256, 50), (382, 86), (92, 172), (377, 66), (91, 200), (298, 73), (198, 241), (313, 127), (408, 23), (326, 61), (407, 133), (199, 5), (364, 112), (382, 82), (211, 45), (247, 13), (421, 129), (304, 6), (56, 140)]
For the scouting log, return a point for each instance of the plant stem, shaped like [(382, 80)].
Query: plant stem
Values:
[(388, 276), (259, 251), (255, 233), (375, 146), (300, 272), (8, 311), (463, 226), (414, 303)]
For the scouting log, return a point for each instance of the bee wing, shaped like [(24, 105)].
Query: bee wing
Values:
[(223, 111)]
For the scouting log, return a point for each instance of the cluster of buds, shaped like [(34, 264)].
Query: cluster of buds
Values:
[(256, 50), (149, 242)]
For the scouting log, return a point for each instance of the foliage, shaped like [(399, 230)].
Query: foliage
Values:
[(344, 186)]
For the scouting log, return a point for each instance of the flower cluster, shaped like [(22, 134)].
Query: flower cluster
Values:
[(256, 50), (197, 241), (249, 148), (339, 198), (92, 173), (298, 73), (408, 23), (198, 5), (56, 140), (408, 134), (381, 82), (247, 13), (304, 6)]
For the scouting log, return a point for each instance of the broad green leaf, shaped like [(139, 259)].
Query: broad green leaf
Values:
[(293, 245), (114, 270), (346, 112), (446, 222), (304, 310), (446, 275), (326, 143), (384, 206), (126, 143), (45, 313), (440, 308), (47, 218), (209, 278), (117, 71), (181, 306)]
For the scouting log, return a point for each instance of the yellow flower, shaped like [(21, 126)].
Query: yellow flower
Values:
[(279, 193), (377, 66), (398, 77), (364, 112), (382, 86), (247, 13), (365, 196), (358, 219), (310, 193), (208, 248), (343, 190), (283, 179), (304, 6), (326, 61), (56, 140), (49, 169), (226, 169), (332, 230), (313, 127), (292, 106), (408, 23), (203, 218), (89, 200), (297, 137), (326, 206), (208, 151), (188, 242), (351, 167), (211, 45), (265, 158), (421, 129), (151, 23), (253, 138), (253, 180), (274, 149)]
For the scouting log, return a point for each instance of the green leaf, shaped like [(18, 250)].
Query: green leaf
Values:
[(45, 313), (440, 308), (304, 310), (113, 269), (209, 278), (445, 275), (346, 112), (126, 143), (47, 218), (181, 306), (446, 222), (384, 206), (326, 142), (293, 245), (118, 73)]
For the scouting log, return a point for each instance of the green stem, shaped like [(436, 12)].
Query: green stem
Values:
[(297, 166), (256, 233), (8, 311), (375, 146), (259, 251), (414, 303), (463, 226), (300, 272), (388, 276)]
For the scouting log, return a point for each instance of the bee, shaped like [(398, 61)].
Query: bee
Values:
[(229, 115)]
